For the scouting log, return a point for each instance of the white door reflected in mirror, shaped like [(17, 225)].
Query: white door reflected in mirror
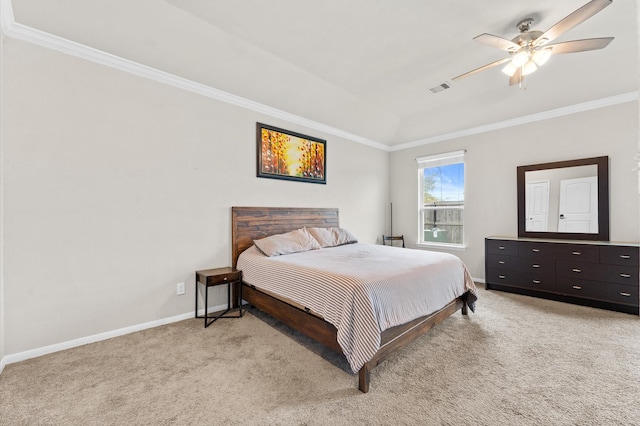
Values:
[(537, 196), (562, 200), (579, 205)]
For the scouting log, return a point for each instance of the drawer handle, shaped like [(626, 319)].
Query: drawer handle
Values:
[(535, 250), (625, 275), (577, 287), (622, 293), (535, 265), (576, 253), (625, 256), (501, 262), (500, 247), (577, 270), (502, 277), (225, 278), (536, 281)]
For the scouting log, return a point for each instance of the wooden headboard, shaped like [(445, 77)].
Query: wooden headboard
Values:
[(252, 223)]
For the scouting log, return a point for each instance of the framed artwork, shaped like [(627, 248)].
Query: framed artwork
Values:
[(283, 154)]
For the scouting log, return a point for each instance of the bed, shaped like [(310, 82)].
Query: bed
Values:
[(255, 223)]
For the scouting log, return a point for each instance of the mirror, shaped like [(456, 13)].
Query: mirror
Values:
[(564, 200)]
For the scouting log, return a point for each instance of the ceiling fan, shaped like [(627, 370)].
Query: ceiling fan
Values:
[(529, 49)]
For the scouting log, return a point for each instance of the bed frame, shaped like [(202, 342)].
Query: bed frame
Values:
[(250, 223)]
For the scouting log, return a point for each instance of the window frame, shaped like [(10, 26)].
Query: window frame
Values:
[(428, 162)]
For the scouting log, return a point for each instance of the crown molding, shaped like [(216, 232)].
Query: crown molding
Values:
[(22, 32), (6, 15), (545, 115), (15, 30)]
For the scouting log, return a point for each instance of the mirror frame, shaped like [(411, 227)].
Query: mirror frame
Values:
[(603, 200)]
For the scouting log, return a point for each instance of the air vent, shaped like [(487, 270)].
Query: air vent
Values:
[(440, 87)]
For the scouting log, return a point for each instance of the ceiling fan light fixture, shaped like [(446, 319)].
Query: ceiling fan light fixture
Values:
[(541, 56), (529, 67), (529, 49), (520, 58), (509, 69)]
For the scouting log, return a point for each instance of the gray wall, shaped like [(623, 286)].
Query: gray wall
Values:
[(490, 174), (115, 188)]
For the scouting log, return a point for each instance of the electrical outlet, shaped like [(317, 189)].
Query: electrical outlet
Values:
[(180, 289)]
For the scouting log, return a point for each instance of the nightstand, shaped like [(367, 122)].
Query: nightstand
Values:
[(220, 276)]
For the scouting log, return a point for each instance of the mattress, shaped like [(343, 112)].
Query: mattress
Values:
[(361, 289)]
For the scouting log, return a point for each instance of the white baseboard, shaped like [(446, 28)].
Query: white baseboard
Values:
[(34, 353)]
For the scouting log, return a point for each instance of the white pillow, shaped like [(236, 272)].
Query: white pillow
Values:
[(331, 237), (287, 243), (324, 236), (342, 236)]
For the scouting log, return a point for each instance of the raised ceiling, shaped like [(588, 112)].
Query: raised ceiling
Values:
[(361, 66)]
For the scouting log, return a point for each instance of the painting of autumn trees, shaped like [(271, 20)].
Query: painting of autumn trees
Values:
[(288, 155)]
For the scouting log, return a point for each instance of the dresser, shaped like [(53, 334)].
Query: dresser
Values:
[(599, 274)]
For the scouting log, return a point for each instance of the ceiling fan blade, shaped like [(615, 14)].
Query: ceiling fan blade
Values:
[(482, 68), (578, 16), (580, 45), (516, 78), (499, 42)]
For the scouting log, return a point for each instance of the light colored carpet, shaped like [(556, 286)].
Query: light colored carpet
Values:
[(516, 361)]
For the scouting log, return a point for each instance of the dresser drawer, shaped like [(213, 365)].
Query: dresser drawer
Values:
[(502, 262), (504, 247), (540, 282), (623, 294), (616, 293), (626, 275), (530, 265), (537, 250), (620, 255), (501, 276), (579, 252), (519, 279), (580, 288), (538, 266)]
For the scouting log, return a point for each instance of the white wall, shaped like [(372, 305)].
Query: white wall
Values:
[(2, 351), (490, 174), (115, 188)]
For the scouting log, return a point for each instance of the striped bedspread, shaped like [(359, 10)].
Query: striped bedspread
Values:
[(362, 289)]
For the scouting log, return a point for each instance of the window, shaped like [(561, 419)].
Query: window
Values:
[(441, 199)]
